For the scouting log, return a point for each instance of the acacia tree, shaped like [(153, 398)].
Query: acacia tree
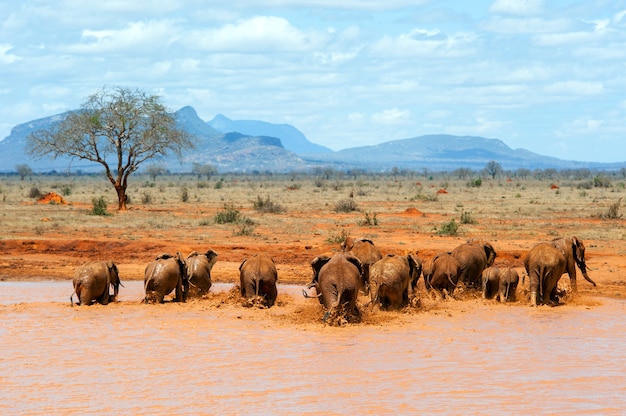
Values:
[(118, 127), (23, 170), (493, 169), (206, 169)]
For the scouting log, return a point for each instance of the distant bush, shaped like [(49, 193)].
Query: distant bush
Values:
[(227, 215), (601, 182), (66, 190), (369, 220), (99, 207), (467, 218), (474, 183), (267, 206), (146, 198), (184, 194), (613, 211), (338, 238), (448, 228), (35, 193), (346, 205)]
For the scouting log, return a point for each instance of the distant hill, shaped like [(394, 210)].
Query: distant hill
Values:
[(255, 146), (230, 152), (446, 152), (292, 138)]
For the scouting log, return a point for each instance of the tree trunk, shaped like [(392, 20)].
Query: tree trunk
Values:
[(121, 197)]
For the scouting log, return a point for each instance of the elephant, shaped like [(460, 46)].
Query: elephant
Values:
[(574, 251), (92, 281), (509, 279), (257, 277), (391, 280), (545, 263), (473, 258), (337, 280), (367, 253), (165, 274), (490, 282), (442, 273), (199, 266), (500, 283)]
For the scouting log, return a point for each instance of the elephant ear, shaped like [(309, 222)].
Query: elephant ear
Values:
[(579, 250), (192, 254), (211, 257), (414, 262), (317, 263), (490, 252), (356, 262), (163, 256), (347, 244)]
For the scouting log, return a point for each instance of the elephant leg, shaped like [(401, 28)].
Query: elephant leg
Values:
[(179, 292)]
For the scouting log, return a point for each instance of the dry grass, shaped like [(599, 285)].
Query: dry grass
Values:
[(512, 214)]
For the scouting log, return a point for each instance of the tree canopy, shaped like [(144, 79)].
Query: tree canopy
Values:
[(118, 127)]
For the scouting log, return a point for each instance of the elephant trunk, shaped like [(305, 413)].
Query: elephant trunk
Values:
[(583, 268)]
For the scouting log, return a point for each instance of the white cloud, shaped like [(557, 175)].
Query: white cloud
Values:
[(574, 88), (526, 25), (256, 35), (141, 37), (391, 116), (426, 43), (517, 7), (7, 58)]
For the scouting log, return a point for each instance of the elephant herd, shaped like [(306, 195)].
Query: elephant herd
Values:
[(185, 276), (360, 267)]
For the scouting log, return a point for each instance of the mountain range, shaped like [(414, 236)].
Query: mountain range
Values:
[(249, 146)]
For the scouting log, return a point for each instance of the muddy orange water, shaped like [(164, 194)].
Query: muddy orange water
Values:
[(214, 356)]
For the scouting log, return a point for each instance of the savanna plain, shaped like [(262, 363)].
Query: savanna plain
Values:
[(461, 355)]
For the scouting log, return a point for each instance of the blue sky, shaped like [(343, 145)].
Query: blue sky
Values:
[(547, 76)]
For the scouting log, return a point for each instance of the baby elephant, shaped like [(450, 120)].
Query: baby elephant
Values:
[(499, 283), (257, 277), (164, 275), (199, 267), (92, 281)]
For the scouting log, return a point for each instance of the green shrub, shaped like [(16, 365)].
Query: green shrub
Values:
[(338, 238), (99, 207), (475, 183), (467, 218), (448, 228), (601, 182), (228, 215)]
